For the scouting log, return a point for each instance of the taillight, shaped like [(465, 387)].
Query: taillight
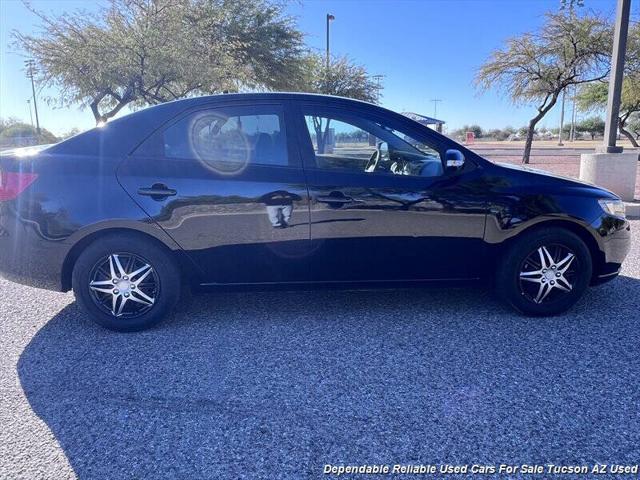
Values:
[(13, 184)]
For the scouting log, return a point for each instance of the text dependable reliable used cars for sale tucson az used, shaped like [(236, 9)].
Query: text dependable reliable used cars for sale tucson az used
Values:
[(291, 189)]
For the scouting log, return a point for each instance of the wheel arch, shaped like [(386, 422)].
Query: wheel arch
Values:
[(80, 244), (597, 255)]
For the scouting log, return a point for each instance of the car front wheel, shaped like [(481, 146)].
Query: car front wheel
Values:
[(545, 272), (126, 282)]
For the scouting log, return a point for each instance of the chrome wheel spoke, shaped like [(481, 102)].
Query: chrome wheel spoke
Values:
[(565, 263), (543, 291), (563, 284), (530, 274), (545, 257), (121, 307), (97, 283), (112, 269), (121, 272), (144, 268), (137, 282), (145, 300), (102, 290), (114, 304)]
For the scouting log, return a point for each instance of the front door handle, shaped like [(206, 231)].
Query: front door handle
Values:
[(157, 191)]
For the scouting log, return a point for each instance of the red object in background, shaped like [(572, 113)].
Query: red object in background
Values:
[(470, 138), (13, 184)]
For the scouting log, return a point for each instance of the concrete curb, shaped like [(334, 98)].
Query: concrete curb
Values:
[(632, 209)]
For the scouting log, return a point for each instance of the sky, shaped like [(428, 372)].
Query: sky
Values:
[(426, 49)]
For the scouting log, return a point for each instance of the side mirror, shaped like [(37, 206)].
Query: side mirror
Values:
[(383, 147), (453, 159)]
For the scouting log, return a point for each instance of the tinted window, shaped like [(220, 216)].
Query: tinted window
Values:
[(228, 139), (349, 142)]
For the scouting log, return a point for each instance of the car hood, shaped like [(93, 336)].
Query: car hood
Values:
[(561, 180)]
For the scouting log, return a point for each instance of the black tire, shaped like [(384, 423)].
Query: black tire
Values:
[(519, 263), (163, 286)]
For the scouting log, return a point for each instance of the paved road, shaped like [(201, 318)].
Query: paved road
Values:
[(275, 385)]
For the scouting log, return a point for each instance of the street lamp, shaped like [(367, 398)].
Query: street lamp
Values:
[(30, 64), (330, 18)]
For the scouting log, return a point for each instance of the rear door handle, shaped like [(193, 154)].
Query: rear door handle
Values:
[(157, 191)]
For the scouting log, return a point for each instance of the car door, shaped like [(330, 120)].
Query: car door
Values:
[(226, 183), (382, 207)]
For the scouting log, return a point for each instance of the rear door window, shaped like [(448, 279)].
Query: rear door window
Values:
[(229, 138)]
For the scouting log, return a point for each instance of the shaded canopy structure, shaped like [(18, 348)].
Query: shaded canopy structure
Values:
[(424, 120)]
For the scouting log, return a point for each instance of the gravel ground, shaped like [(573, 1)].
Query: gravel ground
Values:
[(275, 385)]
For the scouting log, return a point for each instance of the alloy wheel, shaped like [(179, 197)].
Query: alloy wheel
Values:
[(124, 285), (548, 273)]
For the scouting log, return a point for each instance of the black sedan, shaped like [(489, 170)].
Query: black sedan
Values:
[(291, 190)]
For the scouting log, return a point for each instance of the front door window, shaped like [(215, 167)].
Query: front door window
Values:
[(357, 144)]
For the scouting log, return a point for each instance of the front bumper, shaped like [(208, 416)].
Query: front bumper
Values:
[(614, 240)]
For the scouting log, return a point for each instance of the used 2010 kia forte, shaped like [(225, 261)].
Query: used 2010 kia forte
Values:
[(291, 189)]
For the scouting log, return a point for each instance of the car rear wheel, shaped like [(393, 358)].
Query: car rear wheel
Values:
[(126, 282), (545, 272)]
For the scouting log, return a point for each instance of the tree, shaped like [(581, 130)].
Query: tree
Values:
[(535, 68), (71, 133), (593, 96), (594, 126), (344, 78), (634, 125), (15, 133), (475, 128), (140, 52)]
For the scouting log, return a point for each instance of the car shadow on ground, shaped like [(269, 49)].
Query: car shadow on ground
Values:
[(278, 384)]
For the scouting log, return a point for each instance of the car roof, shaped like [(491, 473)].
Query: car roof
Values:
[(122, 135)]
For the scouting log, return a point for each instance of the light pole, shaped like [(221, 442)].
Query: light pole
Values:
[(560, 144), (572, 133), (615, 82), (30, 64), (609, 166), (330, 18)]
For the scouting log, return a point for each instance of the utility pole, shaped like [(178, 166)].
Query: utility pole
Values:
[(378, 80), (615, 82), (330, 18), (30, 114), (435, 106), (30, 64), (560, 144)]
